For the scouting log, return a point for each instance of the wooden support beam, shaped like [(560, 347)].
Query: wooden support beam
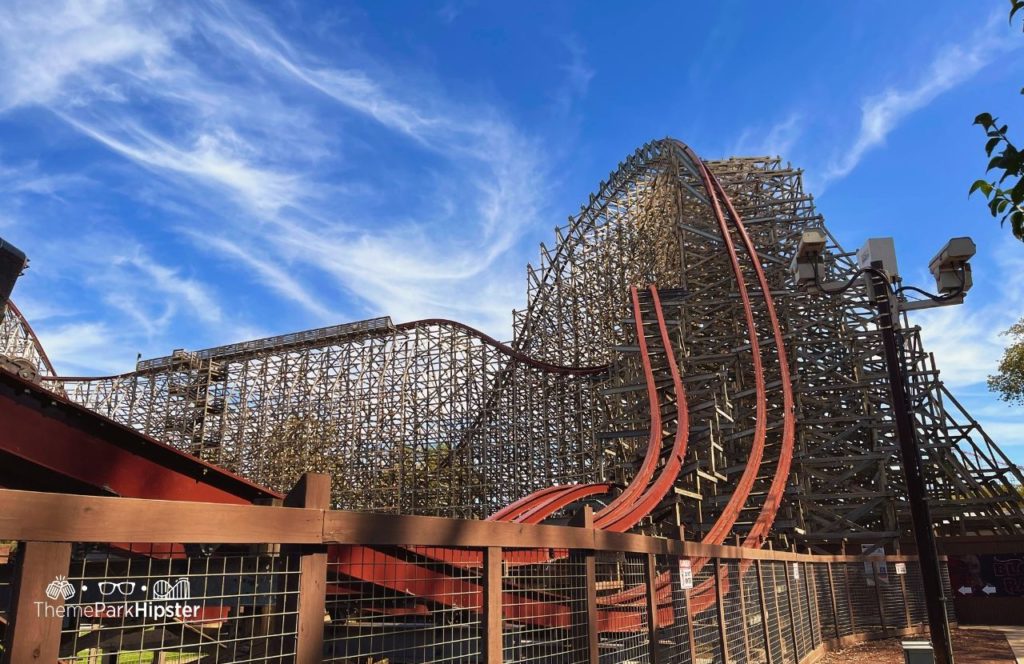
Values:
[(651, 570), (586, 632), (878, 595), (492, 614), (720, 606), (313, 491), (34, 632), (835, 605), (764, 614)]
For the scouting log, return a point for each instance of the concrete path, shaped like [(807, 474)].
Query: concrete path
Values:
[(1014, 634)]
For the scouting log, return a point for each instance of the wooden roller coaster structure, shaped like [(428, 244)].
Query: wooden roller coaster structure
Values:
[(664, 374)]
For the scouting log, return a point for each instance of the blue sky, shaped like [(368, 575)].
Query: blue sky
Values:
[(191, 174)]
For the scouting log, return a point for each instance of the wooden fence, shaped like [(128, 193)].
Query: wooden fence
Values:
[(299, 582)]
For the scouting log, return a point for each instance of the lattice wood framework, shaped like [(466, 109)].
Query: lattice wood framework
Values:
[(432, 417)]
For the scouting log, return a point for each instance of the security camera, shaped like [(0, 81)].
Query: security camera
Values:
[(812, 243), (950, 268), (807, 265)]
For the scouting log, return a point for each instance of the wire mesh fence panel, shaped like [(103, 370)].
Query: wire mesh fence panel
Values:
[(824, 587), (544, 604), (753, 618), (844, 602), (622, 607), (798, 600), (813, 607), (862, 594), (167, 602), (673, 614), (915, 594), (736, 636), (403, 604), (771, 611), (704, 614), (778, 577), (894, 600)]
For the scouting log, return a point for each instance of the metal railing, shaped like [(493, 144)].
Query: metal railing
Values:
[(301, 583)]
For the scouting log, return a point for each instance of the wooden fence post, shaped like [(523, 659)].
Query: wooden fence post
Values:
[(879, 597), (906, 602), (787, 571), (849, 597), (313, 491), (492, 615), (586, 633), (720, 605), (811, 593), (835, 605), (764, 613), (743, 608), (651, 569), (33, 635)]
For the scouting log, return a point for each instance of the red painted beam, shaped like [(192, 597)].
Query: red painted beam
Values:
[(46, 436)]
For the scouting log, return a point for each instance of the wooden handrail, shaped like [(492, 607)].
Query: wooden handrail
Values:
[(51, 517)]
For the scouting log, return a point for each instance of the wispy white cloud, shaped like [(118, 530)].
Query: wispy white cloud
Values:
[(777, 140), (269, 272), (208, 158), (259, 155), (578, 74), (50, 50), (952, 65), (85, 347)]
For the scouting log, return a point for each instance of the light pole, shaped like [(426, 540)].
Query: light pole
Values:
[(953, 278)]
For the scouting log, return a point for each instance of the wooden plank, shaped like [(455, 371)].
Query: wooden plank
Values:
[(53, 517), (49, 517), (810, 595), (764, 613), (743, 609), (492, 617), (312, 491), (835, 605), (849, 597), (720, 606), (651, 575), (787, 574), (34, 634), (588, 633), (878, 595)]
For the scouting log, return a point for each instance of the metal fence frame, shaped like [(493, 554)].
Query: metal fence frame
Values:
[(746, 605)]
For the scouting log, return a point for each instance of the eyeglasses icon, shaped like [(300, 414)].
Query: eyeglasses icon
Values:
[(124, 587)]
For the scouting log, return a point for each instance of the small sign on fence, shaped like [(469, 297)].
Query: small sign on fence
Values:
[(796, 571), (685, 575), (901, 569)]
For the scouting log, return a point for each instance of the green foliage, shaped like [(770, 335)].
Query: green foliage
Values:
[(1005, 195), (1009, 382)]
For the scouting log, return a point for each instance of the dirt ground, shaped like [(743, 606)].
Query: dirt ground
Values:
[(969, 647)]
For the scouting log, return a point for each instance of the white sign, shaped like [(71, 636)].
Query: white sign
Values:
[(685, 575), (796, 571), (901, 569)]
